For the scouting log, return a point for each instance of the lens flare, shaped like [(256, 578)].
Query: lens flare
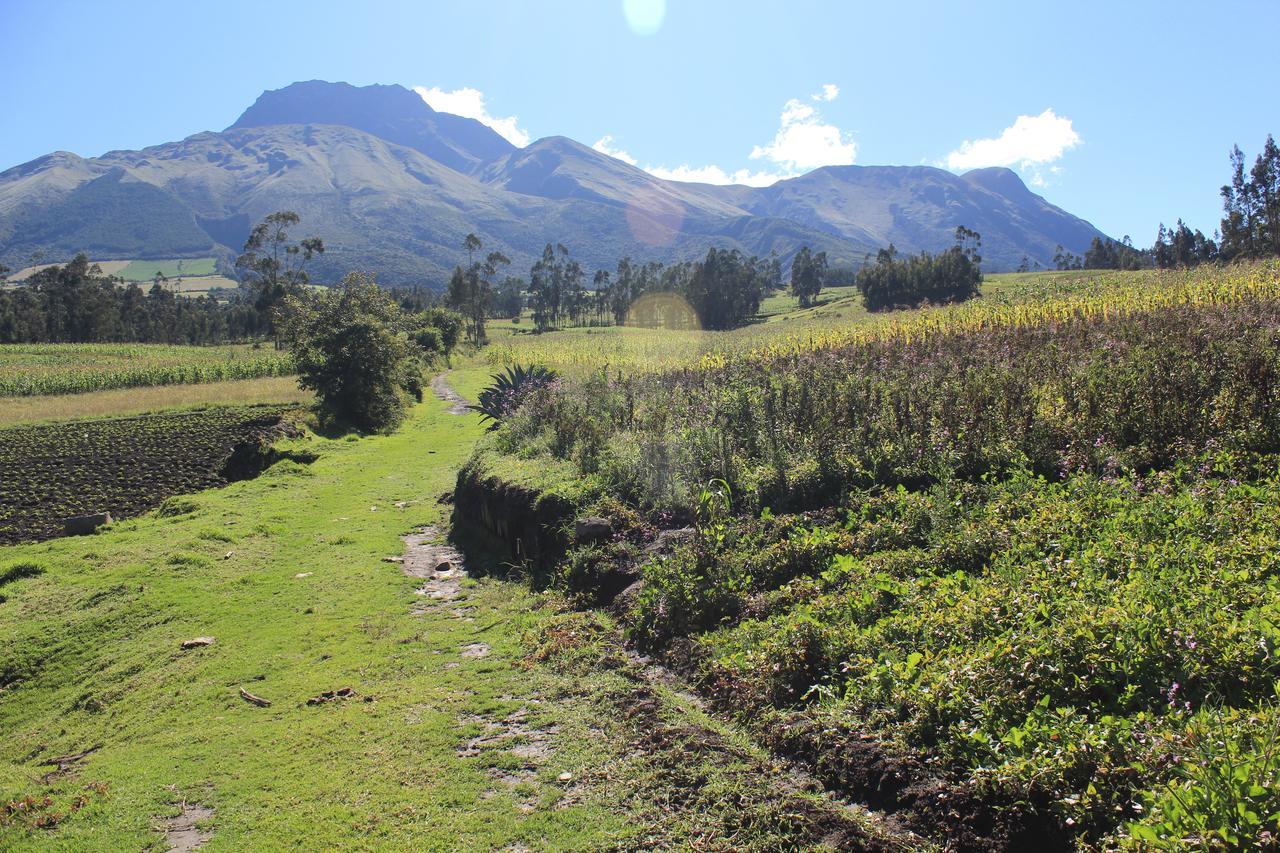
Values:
[(644, 16), (654, 219), (663, 311)]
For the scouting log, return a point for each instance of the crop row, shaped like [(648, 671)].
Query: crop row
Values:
[(121, 465)]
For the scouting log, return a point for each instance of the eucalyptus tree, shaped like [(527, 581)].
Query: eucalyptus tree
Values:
[(272, 266)]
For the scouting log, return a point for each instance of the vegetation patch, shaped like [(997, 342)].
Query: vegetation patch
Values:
[(999, 570)]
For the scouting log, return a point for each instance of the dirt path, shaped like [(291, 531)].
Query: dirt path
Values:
[(182, 832), (441, 388), (442, 567)]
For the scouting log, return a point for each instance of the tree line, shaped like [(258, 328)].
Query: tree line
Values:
[(77, 303), (724, 288), (1250, 226), (936, 279)]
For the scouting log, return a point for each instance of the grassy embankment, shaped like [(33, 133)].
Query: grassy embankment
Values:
[(447, 745), (1018, 552)]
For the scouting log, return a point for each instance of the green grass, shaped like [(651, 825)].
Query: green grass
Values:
[(95, 642), (145, 270), (89, 657)]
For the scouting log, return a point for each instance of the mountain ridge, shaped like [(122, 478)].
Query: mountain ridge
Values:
[(393, 185)]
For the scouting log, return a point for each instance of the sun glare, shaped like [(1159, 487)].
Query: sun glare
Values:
[(644, 16)]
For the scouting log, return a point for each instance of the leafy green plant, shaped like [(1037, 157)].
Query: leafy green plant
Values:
[(510, 388), (1225, 792), (715, 502)]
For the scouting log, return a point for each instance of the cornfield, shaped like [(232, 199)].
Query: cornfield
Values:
[(1014, 301), (38, 369)]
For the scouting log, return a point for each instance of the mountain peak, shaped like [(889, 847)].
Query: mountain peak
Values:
[(391, 112), (999, 180), (322, 102)]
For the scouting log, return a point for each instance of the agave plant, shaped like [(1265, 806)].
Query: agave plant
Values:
[(509, 390)]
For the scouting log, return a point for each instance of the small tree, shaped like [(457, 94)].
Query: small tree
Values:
[(272, 266), (808, 274), (350, 347), (471, 291)]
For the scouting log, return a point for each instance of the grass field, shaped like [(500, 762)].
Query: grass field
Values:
[(145, 270), (486, 722), (38, 369)]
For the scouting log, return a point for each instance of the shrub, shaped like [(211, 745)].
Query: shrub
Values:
[(349, 348)]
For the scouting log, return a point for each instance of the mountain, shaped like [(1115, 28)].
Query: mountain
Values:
[(919, 207), (392, 113), (393, 186)]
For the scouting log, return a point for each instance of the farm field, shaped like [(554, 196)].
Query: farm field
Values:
[(1003, 570), (138, 270), (108, 267), (38, 369), (119, 402), (145, 270), (839, 318), (186, 276), (50, 472)]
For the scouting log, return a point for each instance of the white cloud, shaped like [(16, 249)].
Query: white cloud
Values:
[(1030, 142), (469, 103), (803, 142), (697, 174), (714, 175), (830, 91), (605, 146)]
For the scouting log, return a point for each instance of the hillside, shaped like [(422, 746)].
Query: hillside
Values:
[(393, 185)]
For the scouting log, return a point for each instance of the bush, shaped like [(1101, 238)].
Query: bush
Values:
[(438, 330), (350, 349)]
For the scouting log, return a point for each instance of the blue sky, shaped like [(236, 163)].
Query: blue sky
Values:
[(1121, 112)]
